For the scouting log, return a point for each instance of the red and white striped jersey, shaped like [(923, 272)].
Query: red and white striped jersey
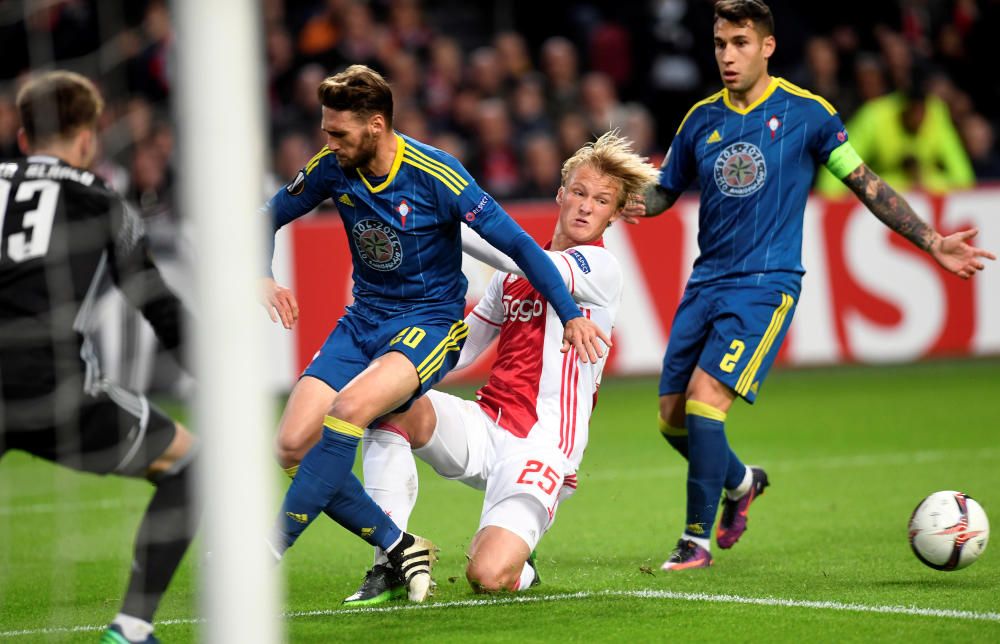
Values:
[(533, 388)]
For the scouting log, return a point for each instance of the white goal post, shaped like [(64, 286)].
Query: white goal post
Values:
[(221, 140)]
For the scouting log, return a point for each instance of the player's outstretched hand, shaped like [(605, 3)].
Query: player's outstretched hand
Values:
[(956, 255), (279, 301), (583, 335)]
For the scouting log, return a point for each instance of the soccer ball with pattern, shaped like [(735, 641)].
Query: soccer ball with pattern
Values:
[(949, 530)]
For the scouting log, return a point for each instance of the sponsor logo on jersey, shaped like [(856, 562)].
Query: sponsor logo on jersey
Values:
[(298, 185), (740, 170), (298, 518), (842, 136), (377, 244), (517, 310), (580, 259), (367, 532), (346, 200), (714, 137)]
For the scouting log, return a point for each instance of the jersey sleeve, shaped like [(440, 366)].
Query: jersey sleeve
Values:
[(679, 165), (309, 189), (829, 136), (136, 274), (592, 274), (470, 203), (484, 323)]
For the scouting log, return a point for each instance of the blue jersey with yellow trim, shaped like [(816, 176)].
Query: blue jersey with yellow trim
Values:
[(404, 231), (755, 167)]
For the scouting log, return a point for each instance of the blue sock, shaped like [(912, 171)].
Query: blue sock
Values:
[(676, 436), (356, 511), (708, 459), (321, 475), (678, 439), (735, 471)]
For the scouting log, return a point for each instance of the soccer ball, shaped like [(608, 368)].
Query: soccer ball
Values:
[(948, 530)]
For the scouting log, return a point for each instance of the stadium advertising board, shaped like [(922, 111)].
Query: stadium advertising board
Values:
[(868, 295)]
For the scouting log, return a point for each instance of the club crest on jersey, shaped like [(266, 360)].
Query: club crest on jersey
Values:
[(298, 185), (740, 170), (773, 124), (403, 209), (377, 244)]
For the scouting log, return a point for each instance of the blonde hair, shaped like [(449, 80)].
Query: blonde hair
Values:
[(612, 155)]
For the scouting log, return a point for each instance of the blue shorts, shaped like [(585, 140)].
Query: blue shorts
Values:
[(430, 338), (732, 330)]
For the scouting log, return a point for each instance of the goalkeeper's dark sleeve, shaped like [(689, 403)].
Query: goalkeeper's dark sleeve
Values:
[(136, 274)]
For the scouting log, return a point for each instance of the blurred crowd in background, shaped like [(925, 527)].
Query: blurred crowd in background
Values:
[(511, 88)]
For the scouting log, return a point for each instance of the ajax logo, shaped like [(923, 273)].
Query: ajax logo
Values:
[(740, 170), (377, 244)]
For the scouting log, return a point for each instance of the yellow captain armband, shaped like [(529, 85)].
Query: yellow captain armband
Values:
[(843, 160)]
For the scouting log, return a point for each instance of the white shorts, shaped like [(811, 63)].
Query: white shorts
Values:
[(468, 446)]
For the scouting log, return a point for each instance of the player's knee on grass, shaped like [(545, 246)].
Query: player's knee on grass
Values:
[(500, 549), (492, 576)]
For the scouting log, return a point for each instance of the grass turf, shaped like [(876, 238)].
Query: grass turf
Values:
[(850, 452)]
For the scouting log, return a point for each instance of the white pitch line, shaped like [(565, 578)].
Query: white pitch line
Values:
[(587, 594)]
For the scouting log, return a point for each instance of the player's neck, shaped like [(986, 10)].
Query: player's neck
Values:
[(750, 96), (385, 154), (67, 153)]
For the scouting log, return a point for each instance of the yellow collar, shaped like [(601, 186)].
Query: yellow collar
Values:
[(773, 85), (400, 145)]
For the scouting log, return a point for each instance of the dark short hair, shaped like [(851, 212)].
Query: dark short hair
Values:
[(58, 104), (357, 89), (740, 11)]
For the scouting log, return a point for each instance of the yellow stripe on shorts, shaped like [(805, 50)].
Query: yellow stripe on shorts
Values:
[(777, 321), (435, 359)]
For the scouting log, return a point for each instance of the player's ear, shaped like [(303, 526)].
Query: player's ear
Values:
[(559, 195), (376, 124), (768, 46), (22, 141)]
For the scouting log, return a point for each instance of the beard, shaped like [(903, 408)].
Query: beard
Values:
[(366, 152)]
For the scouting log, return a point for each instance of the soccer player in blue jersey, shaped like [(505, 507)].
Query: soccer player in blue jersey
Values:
[(401, 203), (754, 147)]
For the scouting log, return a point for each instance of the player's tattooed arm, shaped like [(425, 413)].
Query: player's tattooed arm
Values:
[(648, 203), (954, 252), (890, 207)]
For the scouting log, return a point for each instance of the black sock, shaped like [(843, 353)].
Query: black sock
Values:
[(163, 538)]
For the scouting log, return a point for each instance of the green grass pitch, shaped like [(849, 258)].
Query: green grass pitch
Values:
[(850, 452)]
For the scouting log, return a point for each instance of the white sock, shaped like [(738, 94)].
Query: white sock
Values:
[(133, 628), (701, 541), (527, 576), (390, 476), (743, 487)]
